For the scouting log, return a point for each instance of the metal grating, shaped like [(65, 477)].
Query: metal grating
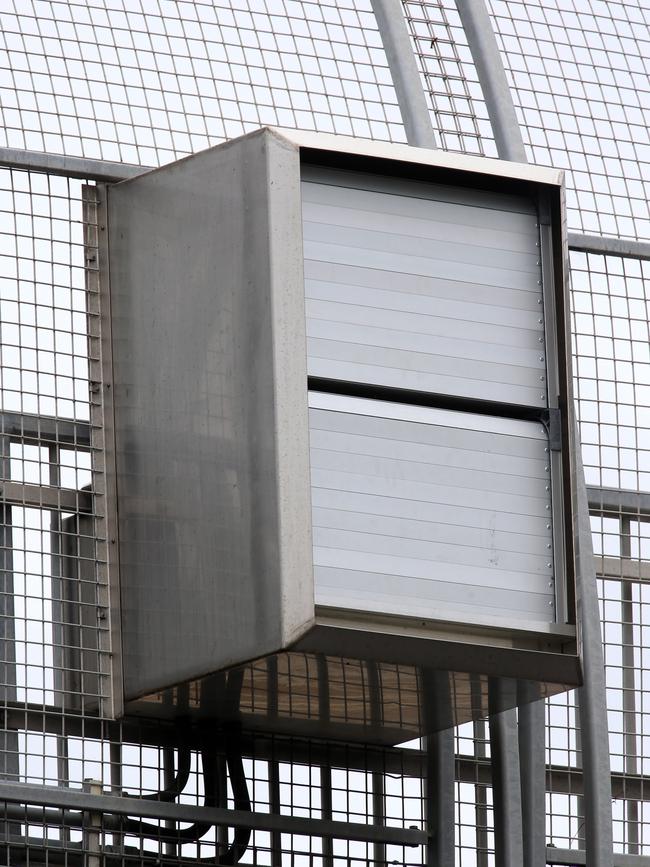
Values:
[(147, 84), (579, 75), (153, 80)]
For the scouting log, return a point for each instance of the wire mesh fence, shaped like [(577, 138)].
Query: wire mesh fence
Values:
[(147, 84), (579, 79), (149, 81)]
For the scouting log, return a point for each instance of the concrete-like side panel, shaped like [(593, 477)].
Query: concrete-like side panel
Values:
[(202, 328)]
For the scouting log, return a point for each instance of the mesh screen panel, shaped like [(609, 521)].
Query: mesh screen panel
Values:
[(152, 80), (579, 76), (147, 82)]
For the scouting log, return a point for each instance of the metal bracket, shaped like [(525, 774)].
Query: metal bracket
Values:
[(553, 424)]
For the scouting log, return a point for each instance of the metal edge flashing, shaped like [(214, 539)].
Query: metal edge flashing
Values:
[(559, 251), (554, 262), (289, 348), (314, 143), (497, 631), (540, 665), (112, 172)]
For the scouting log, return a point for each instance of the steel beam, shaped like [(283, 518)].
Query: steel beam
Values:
[(609, 246), (591, 697), (45, 497), (492, 78), (76, 799), (618, 501), (576, 857), (45, 429), (405, 73), (69, 167)]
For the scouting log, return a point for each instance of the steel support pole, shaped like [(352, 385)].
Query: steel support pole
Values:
[(591, 697), (9, 745), (440, 769), (440, 798), (481, 799), (405, 73), (92, 824), (630, 738), (506, 778), (492, 77), (533, 776)]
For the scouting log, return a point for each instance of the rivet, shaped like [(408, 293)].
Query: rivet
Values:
[(548, 526), (551, 603), (547, 488), (548, 565), (547, 508), (540, 321), (541, 358), (540, 339), (549, 545), (545, 469)]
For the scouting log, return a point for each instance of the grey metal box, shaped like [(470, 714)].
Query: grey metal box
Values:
[(419, 513)]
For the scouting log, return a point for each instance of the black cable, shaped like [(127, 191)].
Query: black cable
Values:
[(214, 789), (241, 798)]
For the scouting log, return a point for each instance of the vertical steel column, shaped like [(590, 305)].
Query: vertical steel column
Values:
[(440, 798), (58, 621), (9, 759), (322, 674), (506, 778), (440, 768), (532, 765), (591, 697), (481, 801), (404, 71), (92, 823), (630, 748), (492, 77), (274, 768), (378, 781)]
